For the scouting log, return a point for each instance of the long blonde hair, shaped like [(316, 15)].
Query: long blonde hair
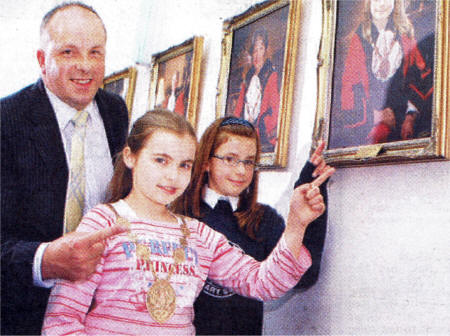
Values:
[(401, 21)]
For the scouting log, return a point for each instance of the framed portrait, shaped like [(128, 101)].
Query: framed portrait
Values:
[(383, 81), (122, 83), (259, 49), (176, 78)]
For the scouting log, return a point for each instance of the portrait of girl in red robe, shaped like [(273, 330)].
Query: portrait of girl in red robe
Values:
[(383, 79)]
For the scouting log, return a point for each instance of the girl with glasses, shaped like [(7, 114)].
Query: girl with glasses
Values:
[(223, 194)]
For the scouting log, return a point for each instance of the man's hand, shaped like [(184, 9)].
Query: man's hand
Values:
[(74, 256)]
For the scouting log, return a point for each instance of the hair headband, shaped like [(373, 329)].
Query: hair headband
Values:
[(236, 121)]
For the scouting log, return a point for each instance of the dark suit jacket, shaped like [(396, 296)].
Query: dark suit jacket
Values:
[(34, 176)]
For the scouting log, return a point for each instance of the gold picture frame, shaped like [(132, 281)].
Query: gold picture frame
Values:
[(175, 82), (273, 26), (122, 83), (421, 84)]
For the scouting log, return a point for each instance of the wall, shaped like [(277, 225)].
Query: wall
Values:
[(386, 265)]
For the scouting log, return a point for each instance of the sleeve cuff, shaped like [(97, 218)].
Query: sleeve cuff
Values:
[(411, 109), (306, 174), (37, 275)]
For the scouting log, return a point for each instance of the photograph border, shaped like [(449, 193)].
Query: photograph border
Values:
[(129, 73), (279, 158), (435, 147), (194, 44)]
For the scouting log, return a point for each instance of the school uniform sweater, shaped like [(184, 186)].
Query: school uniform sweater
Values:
[(116, 291), (219, 311)]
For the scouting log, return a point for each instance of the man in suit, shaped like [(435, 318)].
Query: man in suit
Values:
[(37, 127)]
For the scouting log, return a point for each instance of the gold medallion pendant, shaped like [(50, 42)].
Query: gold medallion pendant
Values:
[(161, 300), (178, 256), (161, 297)]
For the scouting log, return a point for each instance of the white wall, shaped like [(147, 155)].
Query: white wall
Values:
[(386, 267)]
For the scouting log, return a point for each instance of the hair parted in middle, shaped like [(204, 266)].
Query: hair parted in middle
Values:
[(249, 212), (262, 34), (143, 128), (399, 17)]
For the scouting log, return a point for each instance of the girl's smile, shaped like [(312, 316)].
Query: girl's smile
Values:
[(237, 182), (232, 180), (161, 172), (381, 9), (167, 189)]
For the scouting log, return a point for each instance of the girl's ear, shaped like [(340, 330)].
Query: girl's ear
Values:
[(128, 158)]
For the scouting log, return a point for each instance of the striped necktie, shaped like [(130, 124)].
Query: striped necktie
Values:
[(77, 180)]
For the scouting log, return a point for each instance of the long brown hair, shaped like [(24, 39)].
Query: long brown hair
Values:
[(157, 119), (249, 212)]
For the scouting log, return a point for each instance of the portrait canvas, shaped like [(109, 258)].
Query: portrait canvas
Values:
[(257, 59), (175, 78), (119, 87), (381, 93), (254, 85), (382, 78), (122, 83), (172, 89)]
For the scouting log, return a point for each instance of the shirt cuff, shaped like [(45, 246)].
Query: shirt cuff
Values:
[(37, 274), (411, 109)]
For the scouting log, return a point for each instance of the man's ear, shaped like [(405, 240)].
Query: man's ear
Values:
[(128, 157), (40, 54)]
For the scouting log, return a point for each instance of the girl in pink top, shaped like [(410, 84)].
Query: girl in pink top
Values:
[(149, 277)]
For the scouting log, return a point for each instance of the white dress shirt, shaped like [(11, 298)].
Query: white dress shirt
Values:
[(98, 163), (211, 198)]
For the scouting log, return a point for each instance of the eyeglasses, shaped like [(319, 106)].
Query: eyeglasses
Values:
[(234, 162)]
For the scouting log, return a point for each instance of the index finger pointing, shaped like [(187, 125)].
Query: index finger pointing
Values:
[(323, 177), (318, 152), (101, 235)]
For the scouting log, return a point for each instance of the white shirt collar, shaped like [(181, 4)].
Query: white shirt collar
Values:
[(64, 112), (211, 198), (124, 210)]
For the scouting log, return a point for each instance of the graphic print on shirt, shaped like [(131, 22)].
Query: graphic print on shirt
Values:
[(215, 290), (161, 258)]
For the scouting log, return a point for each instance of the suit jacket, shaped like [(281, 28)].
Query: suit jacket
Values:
[(34, 177)]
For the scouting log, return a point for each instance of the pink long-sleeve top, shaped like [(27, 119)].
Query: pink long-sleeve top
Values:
[(113, 300)]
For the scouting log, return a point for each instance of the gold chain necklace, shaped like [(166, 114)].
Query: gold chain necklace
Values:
[(160, 297)]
